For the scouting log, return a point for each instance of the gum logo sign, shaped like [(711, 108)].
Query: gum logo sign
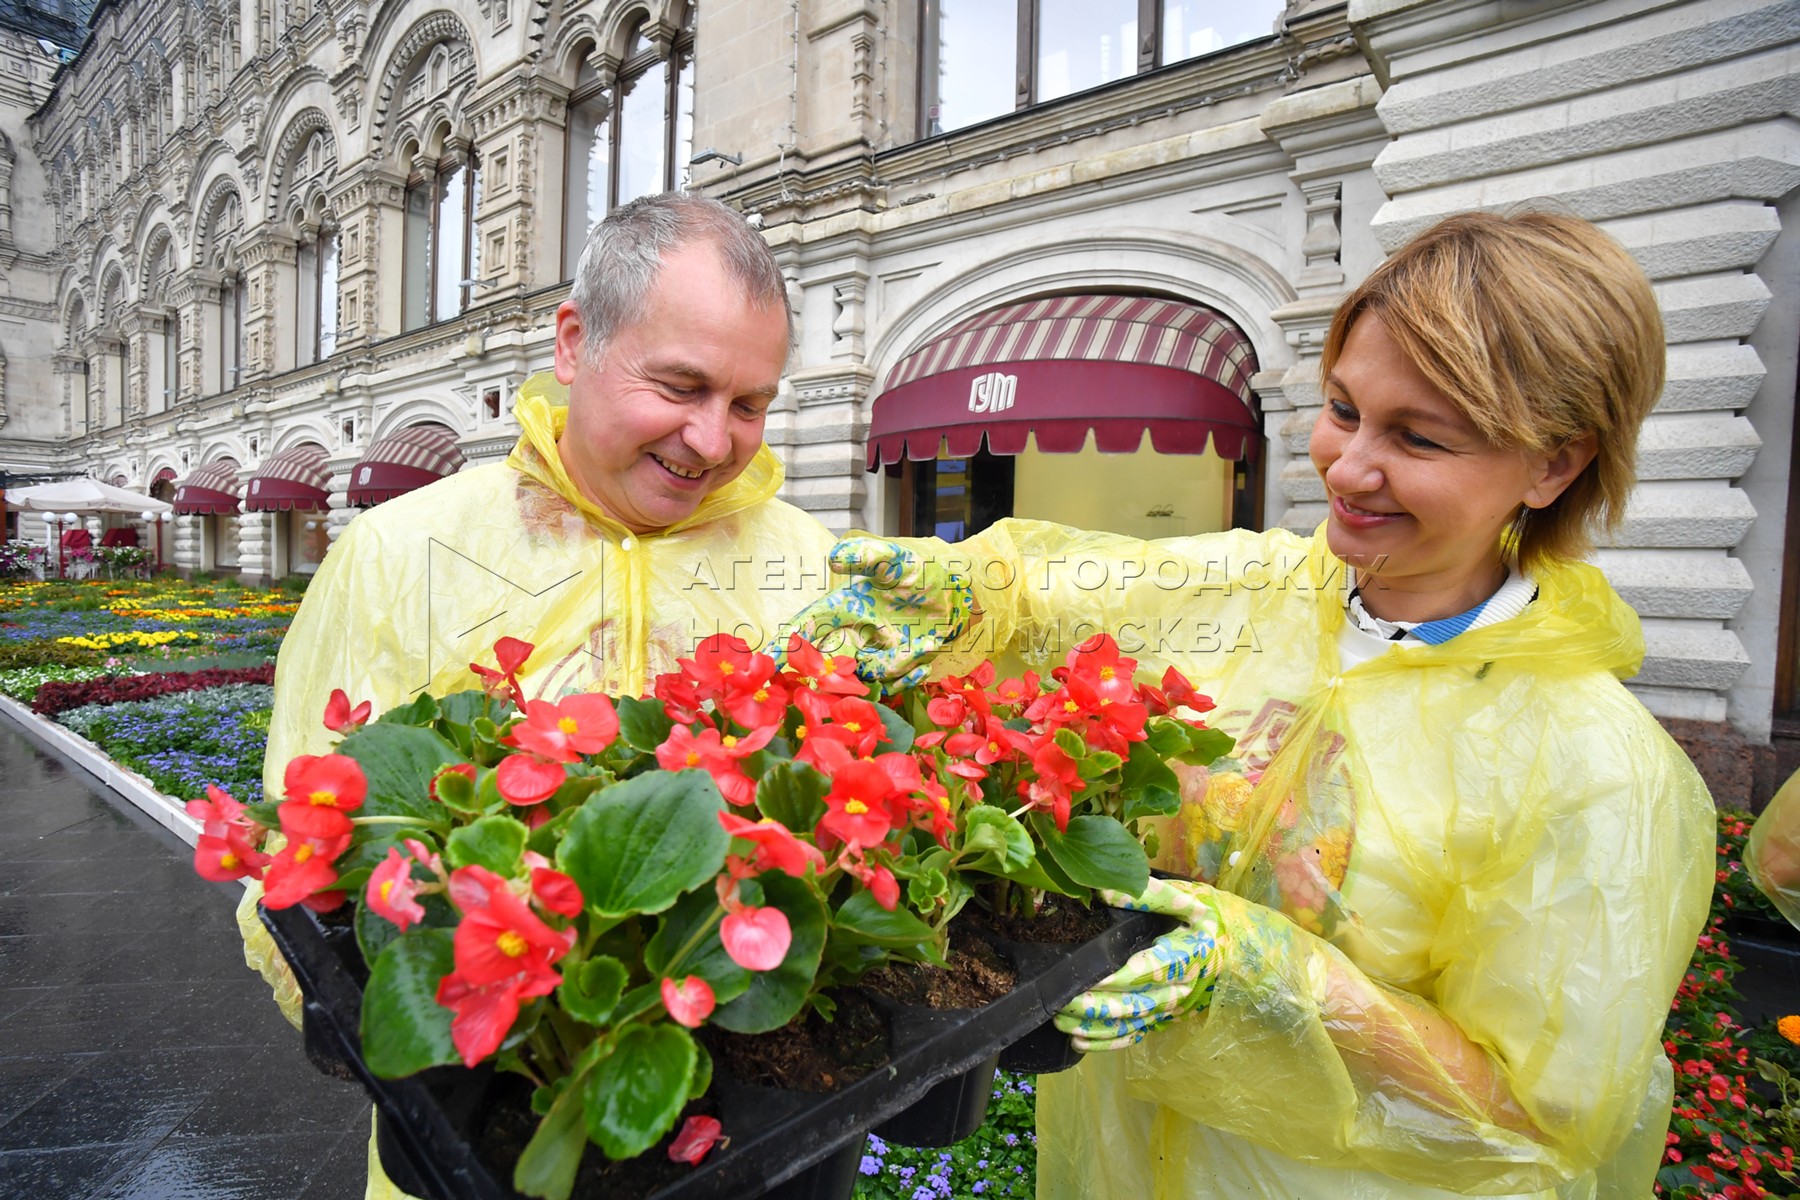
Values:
[(992, 392)]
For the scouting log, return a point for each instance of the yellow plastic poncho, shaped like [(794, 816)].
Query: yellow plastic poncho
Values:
[(417, 589), (1457, 905), (1772, 855)]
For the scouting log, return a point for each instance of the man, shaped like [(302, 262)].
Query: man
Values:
[(636, 516)]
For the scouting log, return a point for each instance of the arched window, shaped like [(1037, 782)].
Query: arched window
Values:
[(443, 256), (628, 140), (222, 329), (164, 346)]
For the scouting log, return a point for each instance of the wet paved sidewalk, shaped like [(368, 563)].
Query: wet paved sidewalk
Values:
[(139, 1057)]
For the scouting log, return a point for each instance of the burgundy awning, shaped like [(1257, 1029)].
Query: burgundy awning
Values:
[(296, 478), (1057, 368), (211, 489), (402, 461)]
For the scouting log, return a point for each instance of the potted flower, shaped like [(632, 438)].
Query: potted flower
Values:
[(585, 894)]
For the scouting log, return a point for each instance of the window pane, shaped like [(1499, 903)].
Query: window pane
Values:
[(470, 236), (171, 359), (684, 122), (418, 257), (306, 306), (1195, 27), (447, 241), (589, 170), (970, 61), (328, 293), (1083, 44), (641, 133)]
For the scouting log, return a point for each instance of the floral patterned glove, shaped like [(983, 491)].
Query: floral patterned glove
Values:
[(898, 611), (1173, 976)]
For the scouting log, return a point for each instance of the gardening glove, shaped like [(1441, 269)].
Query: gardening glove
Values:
[(899, 611), (1172, 976)]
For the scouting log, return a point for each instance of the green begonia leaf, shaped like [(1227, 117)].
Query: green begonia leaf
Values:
[(639, 845), (634, 1094), (404, 1028), (399, 761), (492, 842)]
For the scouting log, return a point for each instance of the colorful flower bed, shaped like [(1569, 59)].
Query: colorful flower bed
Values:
[(1736, 1123), (168, 678)]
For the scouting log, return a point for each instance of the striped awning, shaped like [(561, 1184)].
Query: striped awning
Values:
[(402, 461), (296, 478), (211, 489), (1054, 369)]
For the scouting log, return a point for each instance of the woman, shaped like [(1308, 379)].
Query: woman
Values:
[(1452, 911)]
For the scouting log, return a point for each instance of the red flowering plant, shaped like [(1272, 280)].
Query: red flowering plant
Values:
[(567, 888), (1052, 776)]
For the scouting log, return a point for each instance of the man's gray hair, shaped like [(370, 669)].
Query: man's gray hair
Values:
[(624, 254)]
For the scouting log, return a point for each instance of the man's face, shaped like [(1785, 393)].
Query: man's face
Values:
[(674, 407)]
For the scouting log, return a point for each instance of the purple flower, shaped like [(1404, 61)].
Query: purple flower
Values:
[(980, 1184), (870, 1165)]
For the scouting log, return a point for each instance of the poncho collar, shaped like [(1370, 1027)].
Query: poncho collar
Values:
[(542, 410), (1577, 624)]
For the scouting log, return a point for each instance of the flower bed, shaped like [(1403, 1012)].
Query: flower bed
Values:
[(1737, 1107), (185, 741)]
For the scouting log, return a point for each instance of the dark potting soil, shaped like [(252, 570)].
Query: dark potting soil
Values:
[(811, 1054), (508, 1123), (1058, 922), (977, 975)]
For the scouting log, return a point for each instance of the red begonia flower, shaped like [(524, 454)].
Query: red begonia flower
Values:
[(556, 892), (326, 780), (484, 1013), (689, 1002), (526, 779), (392, 889), (303, 869), (564, 731), (340, 717), (220, 858), (698, 1135), (777, 848), (499, 936), (757, 939)]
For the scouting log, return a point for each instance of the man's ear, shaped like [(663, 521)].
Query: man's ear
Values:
[(568, 341), (1553, 473)]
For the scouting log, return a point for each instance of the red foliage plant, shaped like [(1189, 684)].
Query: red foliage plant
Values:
[(59, 696)]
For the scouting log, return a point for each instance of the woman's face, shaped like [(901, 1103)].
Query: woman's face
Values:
[(1418, 496)]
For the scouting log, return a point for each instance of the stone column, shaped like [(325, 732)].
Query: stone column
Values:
[(1332, 134), (371, 209), (516, 119), (256, 545), (268, 262)]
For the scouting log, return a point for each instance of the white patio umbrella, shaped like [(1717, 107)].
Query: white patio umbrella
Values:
[(84, 496)]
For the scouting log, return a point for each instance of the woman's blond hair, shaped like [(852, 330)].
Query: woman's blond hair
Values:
[(1539, 328)]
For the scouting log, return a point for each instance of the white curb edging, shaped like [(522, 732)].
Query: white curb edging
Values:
[(166, 811)]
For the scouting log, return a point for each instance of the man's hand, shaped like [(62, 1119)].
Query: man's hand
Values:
[(895, 614), (1173, 976)]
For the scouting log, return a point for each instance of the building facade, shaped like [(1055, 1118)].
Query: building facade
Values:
[(259, 240)]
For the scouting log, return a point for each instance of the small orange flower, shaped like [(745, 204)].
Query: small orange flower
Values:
[(1789, 1028)]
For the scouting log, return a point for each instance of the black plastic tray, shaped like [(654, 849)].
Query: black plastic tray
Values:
[(776, 1135)]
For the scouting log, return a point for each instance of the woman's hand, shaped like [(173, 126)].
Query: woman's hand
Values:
[(1171, 977), (895, 614)]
